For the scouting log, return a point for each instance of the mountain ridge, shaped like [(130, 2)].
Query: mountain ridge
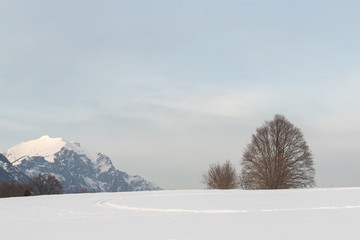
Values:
[(75, 166), (9, 173)]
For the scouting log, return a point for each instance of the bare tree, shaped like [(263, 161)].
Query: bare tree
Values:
[(277, 158), (44, 184), (221, 176)]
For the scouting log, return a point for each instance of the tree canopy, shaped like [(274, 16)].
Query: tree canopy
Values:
[(221, 176), (277, 158)]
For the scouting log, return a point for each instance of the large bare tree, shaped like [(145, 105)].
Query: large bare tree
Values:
[(277, 158), (221, 176)]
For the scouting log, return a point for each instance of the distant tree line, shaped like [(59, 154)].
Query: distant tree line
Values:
[(42, 184), (45, 184), (13, 189), (276, 158)]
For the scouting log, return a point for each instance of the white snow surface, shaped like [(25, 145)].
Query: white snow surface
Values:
[(46, 147), (188, 214)]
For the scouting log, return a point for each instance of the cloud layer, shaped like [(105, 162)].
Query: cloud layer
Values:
[(168, 87)]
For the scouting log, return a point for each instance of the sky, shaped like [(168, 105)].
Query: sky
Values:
[(167, 87)]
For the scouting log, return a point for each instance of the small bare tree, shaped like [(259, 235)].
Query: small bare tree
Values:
[(221, 176), (277, 158), (45, 184)]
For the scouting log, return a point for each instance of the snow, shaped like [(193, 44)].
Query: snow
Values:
[(47, 147), (104, 163), (188, 214), (4, 166), (129, 179), (104, 167)]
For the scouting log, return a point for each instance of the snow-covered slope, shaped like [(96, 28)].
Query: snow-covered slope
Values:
[(311, 214), (75, 166), (46, 147)]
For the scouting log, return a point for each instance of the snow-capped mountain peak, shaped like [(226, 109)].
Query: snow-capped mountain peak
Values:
[(75, 166), (46, 147)]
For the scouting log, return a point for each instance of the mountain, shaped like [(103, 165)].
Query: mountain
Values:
[(9, 173), (74, 166)]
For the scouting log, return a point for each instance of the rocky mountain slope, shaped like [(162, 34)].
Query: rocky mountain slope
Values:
[(76, 167), (9, 173)]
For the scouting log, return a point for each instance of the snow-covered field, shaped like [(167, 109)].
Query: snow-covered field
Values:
[(191, 214)]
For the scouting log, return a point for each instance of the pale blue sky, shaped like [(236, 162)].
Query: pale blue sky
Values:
[(166, 88)]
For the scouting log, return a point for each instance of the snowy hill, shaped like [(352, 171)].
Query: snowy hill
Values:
[(75, 166), (200, 214)]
